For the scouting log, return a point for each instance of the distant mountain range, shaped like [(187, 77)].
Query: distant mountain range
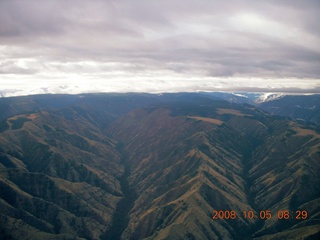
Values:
[(299, 107), (147, 166)]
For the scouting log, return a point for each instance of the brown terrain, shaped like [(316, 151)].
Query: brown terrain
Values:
[(90, 170)]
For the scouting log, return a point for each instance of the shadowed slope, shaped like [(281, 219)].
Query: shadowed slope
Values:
[(157, 172), (183, 168), (57, 178)]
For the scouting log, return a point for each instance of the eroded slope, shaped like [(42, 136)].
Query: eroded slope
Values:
[(156, 173), (57, 178), (186, 164)]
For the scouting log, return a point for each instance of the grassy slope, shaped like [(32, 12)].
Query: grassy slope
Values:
[(57, 178), (59, 174), (186, 167)]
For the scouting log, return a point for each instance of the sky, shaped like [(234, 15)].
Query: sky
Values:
[(84, 46)]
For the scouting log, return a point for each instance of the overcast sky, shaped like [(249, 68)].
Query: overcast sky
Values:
[(74, 46)]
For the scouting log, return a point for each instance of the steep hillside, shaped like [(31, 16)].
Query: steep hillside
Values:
[(58, 178), (140, 166), (185, 164)]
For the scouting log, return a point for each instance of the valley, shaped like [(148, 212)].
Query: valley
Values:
[(121, 215), (143, 166)]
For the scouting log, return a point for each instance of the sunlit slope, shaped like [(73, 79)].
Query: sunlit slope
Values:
[(187, 162), (75, 168), (57, 178)]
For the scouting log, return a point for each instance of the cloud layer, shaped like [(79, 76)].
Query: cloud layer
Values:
[(159, 45)]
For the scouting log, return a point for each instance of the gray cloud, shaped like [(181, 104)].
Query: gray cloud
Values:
[(95, 39)]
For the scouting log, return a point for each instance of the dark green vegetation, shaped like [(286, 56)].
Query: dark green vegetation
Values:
[(139, 166), (121, 214), (306, 108)]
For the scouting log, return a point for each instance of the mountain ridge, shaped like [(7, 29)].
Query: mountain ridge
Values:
[(64, 171), (235, 122)]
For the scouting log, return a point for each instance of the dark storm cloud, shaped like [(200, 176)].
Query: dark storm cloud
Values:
[(266, 39)]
